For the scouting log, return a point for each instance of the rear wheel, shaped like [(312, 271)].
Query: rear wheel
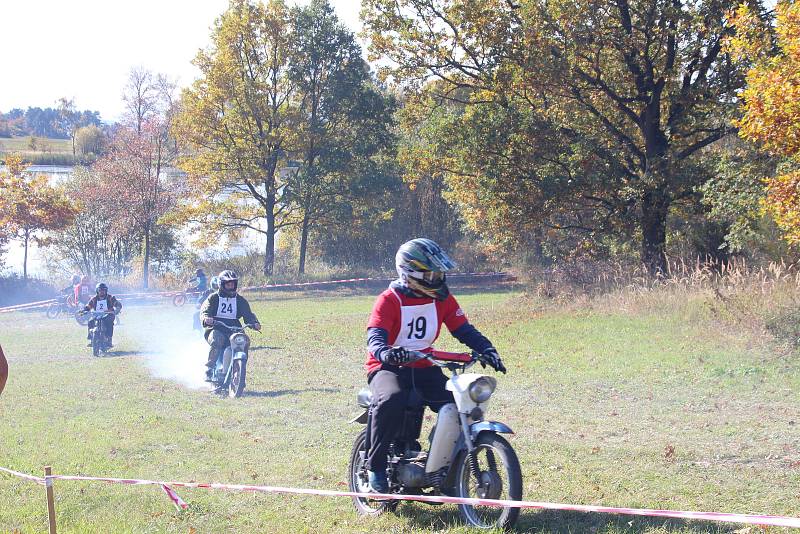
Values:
[(179, 299), (359, 483), (54, 310), (499, 477), (236, 386)]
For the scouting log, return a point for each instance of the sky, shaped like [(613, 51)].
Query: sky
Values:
[(84, 49)]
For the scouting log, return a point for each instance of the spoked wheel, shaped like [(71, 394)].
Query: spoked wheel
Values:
[(54, 310), (236, 386), (179, 299), (359, 483), (96, 343), (499, 477)]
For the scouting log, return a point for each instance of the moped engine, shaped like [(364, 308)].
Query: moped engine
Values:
[(411, 475)]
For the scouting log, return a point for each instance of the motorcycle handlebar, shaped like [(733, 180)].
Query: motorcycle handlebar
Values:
[(443, 358)]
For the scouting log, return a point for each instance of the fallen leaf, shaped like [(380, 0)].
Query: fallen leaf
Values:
[(669, 453)]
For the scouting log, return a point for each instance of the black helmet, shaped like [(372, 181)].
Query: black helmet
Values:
[(100, 286), (421, 265), (214, 283), (198, 272), (228, 276)]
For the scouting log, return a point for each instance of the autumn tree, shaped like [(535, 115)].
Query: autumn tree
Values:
[(574, 115), (772, 103), (342, 120), (29, 206), (236, 122), (134, 184)]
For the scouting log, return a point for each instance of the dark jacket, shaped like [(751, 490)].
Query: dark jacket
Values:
[(113, 303), (211, 308)]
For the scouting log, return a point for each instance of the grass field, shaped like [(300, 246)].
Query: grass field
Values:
[(47, 151), (630, 404)]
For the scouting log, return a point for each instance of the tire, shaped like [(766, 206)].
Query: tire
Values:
[(356, 484), (236, 385), (96, 343), (504, 482), (179, 299), (54, 310), (82, 320)]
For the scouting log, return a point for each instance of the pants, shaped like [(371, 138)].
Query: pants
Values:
[(218, 341), (108, 327), (390, 388)]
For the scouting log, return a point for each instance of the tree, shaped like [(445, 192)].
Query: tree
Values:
[(343, 121), (134, 185), (29, 206), (772, 104), (68, 118), (89, 141), (141, 97), (236, 120), (575, 115)]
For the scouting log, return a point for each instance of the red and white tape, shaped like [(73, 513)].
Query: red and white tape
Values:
[(159, 294), (751, 519)]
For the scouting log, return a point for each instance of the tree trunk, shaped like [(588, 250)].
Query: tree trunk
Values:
[(269, 251), (146, 266), (25, 258), (301, 269), (655, 206)]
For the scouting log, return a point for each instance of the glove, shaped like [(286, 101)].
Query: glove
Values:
[(209, 321), (492, 359), (399, 356)]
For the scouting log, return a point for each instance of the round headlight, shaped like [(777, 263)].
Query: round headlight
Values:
[(239, 340), (482, 389)]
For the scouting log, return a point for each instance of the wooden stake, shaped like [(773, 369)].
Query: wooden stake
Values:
[(51, 503)]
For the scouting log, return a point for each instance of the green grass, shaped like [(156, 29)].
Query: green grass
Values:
[(596, 396), (48, 151)]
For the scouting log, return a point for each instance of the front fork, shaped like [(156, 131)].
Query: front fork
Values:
[(473, 459)]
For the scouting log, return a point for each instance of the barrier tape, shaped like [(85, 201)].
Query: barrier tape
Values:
[(751, 519), (158, 294)]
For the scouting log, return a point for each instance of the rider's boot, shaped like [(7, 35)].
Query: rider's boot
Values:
[(378, 483)]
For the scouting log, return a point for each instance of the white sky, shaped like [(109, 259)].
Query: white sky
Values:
[(84, 49)]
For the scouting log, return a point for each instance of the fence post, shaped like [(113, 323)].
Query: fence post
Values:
[(51, 504)]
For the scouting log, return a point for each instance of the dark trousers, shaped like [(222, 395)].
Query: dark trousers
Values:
[(218, 341), (108, 327), (390, 388)]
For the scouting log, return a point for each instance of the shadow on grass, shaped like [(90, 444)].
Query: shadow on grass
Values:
[(265, 347), (119, 353), (565, 522), (283, 392)]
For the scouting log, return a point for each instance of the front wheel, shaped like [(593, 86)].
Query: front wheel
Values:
[(236, 386), (96, 343), (179, 299), (498, 477), (359, 483), (54, 310)]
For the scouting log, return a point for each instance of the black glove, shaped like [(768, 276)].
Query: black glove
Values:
[(399, 356), (492, 359)]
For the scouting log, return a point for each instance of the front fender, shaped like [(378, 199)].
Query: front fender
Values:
[(240, 356), (490, 426)]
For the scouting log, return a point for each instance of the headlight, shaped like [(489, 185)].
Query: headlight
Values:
[(239, 340), (482, 389)]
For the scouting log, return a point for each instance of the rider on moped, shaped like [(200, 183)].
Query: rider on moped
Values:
[(408, 317), (102, 301), (225, 306)]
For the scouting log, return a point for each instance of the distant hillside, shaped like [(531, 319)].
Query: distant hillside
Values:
[(38, 150)]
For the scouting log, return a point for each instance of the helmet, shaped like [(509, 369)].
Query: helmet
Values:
[(214, 283), (76, 279), (228, 276), (421, 265), (100, 286), (198, 272)]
